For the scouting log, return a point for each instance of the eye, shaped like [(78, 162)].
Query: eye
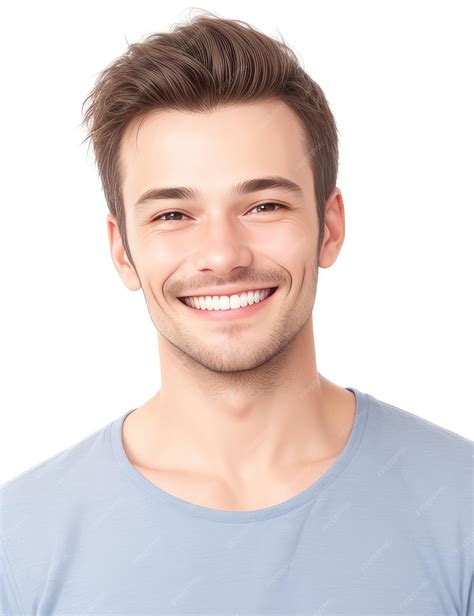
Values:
[(268, 203), (271, 204), (167, 214)]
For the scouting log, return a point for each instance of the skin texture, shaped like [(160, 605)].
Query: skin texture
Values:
[(243, 419)]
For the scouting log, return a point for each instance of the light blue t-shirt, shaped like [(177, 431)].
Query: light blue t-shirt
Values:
[(387, 530)]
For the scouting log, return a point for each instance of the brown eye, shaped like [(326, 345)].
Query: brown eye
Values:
[(270, 203), (167, 214)]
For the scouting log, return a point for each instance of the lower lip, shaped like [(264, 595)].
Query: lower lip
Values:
[(224, 315)]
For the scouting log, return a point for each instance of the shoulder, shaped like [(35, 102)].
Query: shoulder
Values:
[(47, 490), (45, 509), (416, 434), (433, 464), (422, 473)]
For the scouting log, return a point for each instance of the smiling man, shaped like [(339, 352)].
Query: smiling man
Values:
[(249, 482), (228, 267)]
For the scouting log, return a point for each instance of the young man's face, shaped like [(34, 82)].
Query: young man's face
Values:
[(217, 238)]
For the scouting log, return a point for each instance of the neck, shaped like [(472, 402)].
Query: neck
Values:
[(235, 425)]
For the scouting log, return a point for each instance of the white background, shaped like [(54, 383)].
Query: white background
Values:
[(393, 315)]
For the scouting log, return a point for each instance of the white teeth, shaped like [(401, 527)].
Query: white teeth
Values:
[(225, 302), (234, 301)]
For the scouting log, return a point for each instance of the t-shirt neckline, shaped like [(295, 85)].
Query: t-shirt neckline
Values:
[(160, 496)]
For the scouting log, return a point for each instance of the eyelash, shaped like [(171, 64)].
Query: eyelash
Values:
[(176, 212)]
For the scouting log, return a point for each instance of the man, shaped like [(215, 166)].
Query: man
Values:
[(249, 483)]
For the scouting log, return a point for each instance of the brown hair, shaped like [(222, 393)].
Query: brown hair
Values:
[(197, 66)]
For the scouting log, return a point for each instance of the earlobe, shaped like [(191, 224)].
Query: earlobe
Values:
[(119, 256)]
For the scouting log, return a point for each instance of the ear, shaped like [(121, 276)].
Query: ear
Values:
[(334, 230), (119, 257)]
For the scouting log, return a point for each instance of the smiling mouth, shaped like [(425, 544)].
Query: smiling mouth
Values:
[(226, 307)]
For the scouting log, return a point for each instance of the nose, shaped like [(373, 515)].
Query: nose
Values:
[(223, 246)]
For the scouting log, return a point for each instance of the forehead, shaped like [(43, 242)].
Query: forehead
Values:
[(212, 150)]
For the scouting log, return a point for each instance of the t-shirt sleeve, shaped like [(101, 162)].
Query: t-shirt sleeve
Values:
[(470, 599), (9, 600)]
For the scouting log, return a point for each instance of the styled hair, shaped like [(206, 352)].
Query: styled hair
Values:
[(199, 66)]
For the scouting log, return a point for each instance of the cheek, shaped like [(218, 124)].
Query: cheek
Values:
[(158, 259), (288, 242), (162, 250)]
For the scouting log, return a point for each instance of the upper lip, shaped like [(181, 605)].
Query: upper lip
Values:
[(225, 291)]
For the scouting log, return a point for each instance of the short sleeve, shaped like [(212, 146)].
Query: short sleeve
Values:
[(470, 599), (9, 599)]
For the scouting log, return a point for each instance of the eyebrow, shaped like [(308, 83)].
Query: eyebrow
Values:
[(242, 188)]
